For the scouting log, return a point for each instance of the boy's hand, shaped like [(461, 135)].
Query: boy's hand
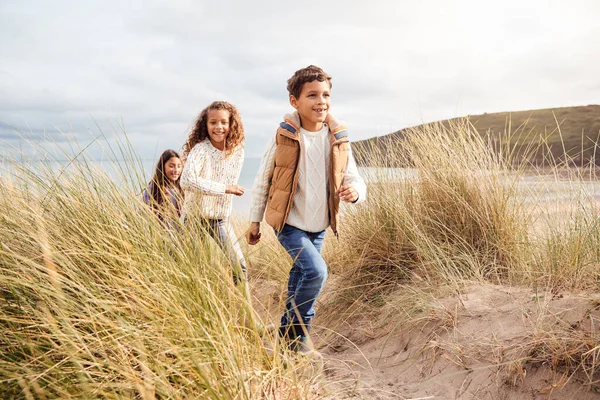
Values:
[(234, 189), (253, 234), (348, 194)]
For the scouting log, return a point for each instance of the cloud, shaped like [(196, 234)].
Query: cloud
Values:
[(154, 66)]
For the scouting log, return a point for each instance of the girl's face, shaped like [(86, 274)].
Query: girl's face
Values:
[(173, 168), (217, 124)]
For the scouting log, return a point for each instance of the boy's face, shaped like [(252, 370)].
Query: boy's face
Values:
[(313, 104)]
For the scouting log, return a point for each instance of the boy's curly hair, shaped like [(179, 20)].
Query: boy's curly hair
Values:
[(200, 131), (306, 75)]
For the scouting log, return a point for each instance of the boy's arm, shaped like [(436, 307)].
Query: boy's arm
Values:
[(353, 182), (260, 191)]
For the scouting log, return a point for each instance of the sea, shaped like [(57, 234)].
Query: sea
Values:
[(534, 188), (241, 204), (114, 169)]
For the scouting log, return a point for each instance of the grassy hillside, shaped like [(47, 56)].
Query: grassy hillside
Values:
[(531, 134)]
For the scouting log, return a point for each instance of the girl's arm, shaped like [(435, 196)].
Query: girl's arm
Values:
[(238, 162), (193, 170), (235, 162), (147, 194), (149, 198), (352, 178)]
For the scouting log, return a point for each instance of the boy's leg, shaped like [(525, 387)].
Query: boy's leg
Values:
[(289, 312), (307, 278)]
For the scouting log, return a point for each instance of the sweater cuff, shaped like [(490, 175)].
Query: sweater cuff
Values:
[(256, 216), (219, 187)]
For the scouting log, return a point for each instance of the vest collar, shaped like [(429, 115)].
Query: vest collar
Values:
[(286, 128), (338, 135)]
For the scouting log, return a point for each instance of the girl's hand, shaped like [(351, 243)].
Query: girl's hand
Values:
[(253, 234), (234, 189), (348, 194)]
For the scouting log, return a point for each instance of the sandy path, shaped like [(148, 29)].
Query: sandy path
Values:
[(471, 346), (467, 349)]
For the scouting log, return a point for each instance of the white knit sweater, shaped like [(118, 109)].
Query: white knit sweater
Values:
[(309, 210), (205, 176)]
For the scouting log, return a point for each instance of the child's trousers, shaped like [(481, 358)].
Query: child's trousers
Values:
[(223, 233), (307, 278)]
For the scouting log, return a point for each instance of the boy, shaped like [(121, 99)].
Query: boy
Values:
[(307, 168)]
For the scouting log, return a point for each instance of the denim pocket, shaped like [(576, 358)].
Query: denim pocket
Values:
[(284, 231)]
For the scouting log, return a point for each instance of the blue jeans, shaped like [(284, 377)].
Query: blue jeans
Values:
[(307, 278)]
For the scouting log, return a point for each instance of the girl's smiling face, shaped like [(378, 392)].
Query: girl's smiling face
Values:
[(173, 168), (217, 124)]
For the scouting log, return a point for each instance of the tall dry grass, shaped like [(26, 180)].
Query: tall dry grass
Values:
[(97, 300), (455, 215), (453, 206), (464, 210), (565, 232)]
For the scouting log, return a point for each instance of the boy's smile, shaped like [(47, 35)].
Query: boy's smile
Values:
[(313, 104)]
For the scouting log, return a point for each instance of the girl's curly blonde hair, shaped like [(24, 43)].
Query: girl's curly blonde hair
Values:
[(200, 131)]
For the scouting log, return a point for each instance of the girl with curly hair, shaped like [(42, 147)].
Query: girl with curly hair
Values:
[(214, 155)]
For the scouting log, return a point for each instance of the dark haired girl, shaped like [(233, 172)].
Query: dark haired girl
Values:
[(163, 193)]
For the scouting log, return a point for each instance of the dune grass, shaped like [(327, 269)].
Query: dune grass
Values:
[(465, 212), (455, 216), (98, 300)]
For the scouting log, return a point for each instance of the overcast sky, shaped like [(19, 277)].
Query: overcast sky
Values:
[(67, 65)]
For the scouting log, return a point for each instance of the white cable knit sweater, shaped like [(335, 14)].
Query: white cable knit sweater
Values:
[(205, 176), (309, 209), (310, 201)]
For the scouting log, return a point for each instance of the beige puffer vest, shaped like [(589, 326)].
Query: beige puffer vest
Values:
[(285, 175)]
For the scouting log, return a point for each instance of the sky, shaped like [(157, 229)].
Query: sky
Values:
[(77, 68)]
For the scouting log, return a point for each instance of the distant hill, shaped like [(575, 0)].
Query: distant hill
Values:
[(579, 127)]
